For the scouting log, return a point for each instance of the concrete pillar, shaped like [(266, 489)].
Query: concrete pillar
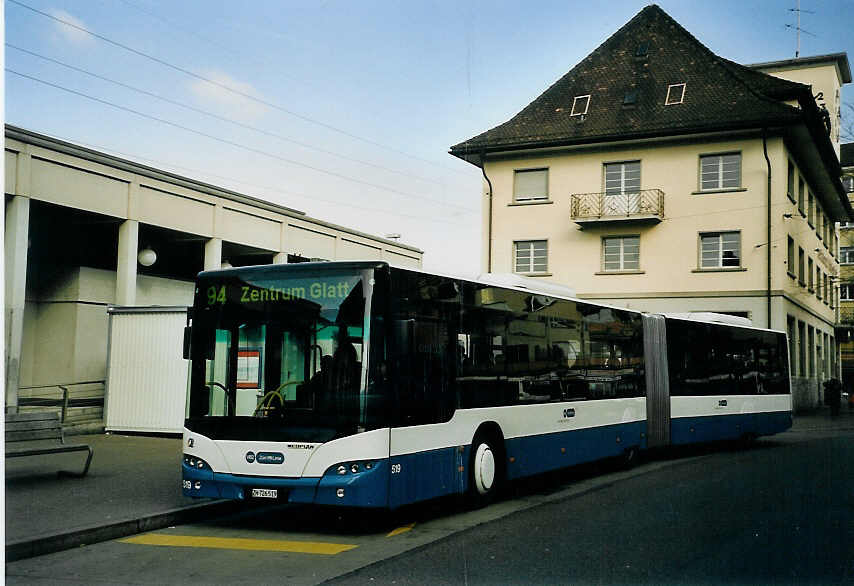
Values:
[(280, 258), (16, 238), (213, 254), (126, 263)]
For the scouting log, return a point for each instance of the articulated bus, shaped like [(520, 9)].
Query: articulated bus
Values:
[(362, 384)]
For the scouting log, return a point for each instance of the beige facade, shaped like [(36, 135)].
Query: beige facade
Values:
[(825, 75), (76, 220), (646, 251), (846, 277)]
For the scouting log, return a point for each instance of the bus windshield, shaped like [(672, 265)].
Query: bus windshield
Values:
[(278, 357)]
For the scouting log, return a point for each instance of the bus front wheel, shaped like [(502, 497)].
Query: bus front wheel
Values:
[(486, 470)]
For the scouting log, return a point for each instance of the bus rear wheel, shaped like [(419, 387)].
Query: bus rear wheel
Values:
[(486, 469)]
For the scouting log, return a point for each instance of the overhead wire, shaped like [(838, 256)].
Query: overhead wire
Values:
[(228, 88), (222, 118), (236, 144)]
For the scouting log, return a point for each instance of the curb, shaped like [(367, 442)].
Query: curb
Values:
[(20, 550)]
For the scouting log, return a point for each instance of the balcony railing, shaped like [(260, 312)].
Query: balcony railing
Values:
[(646, 205), (846, 313)]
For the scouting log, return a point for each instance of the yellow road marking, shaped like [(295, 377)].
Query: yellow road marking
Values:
[(314, 547), (400, 530)]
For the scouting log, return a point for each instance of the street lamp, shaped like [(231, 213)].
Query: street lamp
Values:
[(146, 257)]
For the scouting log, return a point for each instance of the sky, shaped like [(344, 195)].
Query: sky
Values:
[(344, 110)]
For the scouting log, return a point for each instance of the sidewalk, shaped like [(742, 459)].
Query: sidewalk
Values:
[(822, 421), (134, 485)]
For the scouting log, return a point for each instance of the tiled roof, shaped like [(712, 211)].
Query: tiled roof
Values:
[(846, 157), (719, 94)]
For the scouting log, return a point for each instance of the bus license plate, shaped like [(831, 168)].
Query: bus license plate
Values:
[(265, 493)]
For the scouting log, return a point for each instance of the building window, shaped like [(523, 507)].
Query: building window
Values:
[(720, 250), (630, 98), (790, 256), (790, 327), (531, 185), (621, 253), (817, 281), (801, 196), (790, 182), (848, 183), (802, 349), (810, 208), (846, 292), (810, 274), (801, 267), (580, 105), (811, 346), (675, 94), (827, 293), (846, 255), (622, 178), (531, 256), (720, 171)]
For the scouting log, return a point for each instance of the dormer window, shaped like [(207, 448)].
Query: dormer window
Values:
[(631, 98), (580, 104), (675, 94)]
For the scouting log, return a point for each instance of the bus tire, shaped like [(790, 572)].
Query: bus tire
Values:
[(486, 468)]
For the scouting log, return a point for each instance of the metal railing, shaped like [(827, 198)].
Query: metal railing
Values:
[(648, 202), (846, 313), (63, 401)]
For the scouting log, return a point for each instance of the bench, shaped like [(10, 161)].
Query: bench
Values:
[(34, 434)]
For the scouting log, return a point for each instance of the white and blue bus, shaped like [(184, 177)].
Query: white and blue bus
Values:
[(361, 384)]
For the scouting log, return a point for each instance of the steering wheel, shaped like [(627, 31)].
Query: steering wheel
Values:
[(220, 385), (266, 401)]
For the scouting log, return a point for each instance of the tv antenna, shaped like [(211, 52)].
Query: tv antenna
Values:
[(798, 28)]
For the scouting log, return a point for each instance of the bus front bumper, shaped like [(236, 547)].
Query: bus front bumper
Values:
[(365, 488)]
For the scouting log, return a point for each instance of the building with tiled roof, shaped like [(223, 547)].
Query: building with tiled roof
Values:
[(846, 273), (660, 176)]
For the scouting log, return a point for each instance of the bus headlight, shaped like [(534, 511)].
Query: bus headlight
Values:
[(195, 463), (351, 468)]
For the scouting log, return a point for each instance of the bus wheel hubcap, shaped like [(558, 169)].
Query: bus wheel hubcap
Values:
[(484, 469)]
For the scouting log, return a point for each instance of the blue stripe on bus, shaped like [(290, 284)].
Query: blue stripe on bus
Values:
[(687, 430), (426, 475), (436, 473), (531, 455)]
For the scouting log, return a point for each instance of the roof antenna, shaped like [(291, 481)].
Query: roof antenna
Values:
[(798, 26)]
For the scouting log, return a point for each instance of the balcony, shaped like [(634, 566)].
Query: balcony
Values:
[(645, 206), (846, 313)]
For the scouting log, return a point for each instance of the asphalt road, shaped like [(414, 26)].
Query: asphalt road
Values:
[(780, 512), (775, 514)]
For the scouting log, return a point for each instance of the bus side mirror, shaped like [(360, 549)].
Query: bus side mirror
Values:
[(188, 333)]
